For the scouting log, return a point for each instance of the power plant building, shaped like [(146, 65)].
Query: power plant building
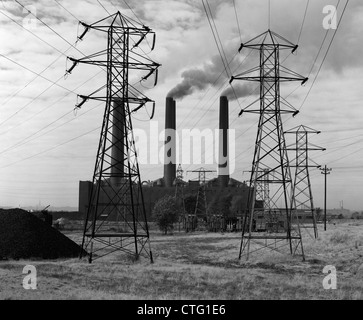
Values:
[(223, 185)]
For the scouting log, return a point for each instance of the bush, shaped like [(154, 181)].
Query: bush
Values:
[(165, 213), (339, 238)]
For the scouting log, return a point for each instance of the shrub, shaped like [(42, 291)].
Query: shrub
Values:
[(339, 238), (165, 213)]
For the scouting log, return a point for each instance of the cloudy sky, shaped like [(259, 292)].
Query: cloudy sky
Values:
[(46, 148)]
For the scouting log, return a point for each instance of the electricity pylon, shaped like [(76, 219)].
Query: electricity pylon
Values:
[(201, 204), (179, 194), (116, 195), (179, 188), (302, 195), (270, 164)]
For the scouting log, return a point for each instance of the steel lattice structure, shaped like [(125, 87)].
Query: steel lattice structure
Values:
[(201, 204), (179, 188), (269, 197), (179, 194), (302, 194), (116, 194)]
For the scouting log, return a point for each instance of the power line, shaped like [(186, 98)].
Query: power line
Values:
[(321, 46), (147, 54), (257, 88), (304, 18), (46, 25), (222, 87), (36, 181), (54, 31), (215, 38), (66, 9), (219, 44), (29, 103), (205, 94), (326, 53), (303, 22), (103, 7), (347, 155), (131, 11), (30, 82), (269, 14), (36, 73), (48, 107), (28, 139), (52, 148), (39, 74), (29, 31), (350, 167), (231, 111), (250, 93), (235, 12), (316, 58), (212, 85)]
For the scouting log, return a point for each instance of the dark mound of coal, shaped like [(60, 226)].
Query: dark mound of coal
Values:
[(23, 236)]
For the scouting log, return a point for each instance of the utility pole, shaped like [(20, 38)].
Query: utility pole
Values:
[(325, 171)]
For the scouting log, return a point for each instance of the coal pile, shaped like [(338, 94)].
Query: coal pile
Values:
[(24, 236)]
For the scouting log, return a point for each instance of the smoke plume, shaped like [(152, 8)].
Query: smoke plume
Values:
[(210, 74), (239, 91)]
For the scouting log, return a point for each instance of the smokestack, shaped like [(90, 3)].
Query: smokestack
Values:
[(223, 164), (170, 142), (118, 143)]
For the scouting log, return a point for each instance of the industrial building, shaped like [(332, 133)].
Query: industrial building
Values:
[(222, 186)]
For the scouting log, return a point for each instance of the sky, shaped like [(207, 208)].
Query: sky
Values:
[(46, 147)]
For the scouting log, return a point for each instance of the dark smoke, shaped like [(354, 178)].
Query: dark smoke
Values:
[(212, 73), (194, 79), (240, 90)]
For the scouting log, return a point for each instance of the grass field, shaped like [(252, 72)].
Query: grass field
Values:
[(201, 266)]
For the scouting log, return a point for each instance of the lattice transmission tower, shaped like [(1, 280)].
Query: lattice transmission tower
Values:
[(201, 204), (179, 188), (268, 220), (179, 195), (116, 218), (302, 193)]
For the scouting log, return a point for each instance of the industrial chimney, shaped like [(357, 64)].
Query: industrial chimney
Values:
[(170, 142), (118, 143), (223, 163)]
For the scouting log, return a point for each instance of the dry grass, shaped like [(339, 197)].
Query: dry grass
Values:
[(201, 266)]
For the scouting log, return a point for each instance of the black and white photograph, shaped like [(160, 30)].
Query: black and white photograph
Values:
[(181, 156)]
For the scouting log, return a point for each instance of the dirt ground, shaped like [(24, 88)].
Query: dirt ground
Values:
[(201, 266)]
